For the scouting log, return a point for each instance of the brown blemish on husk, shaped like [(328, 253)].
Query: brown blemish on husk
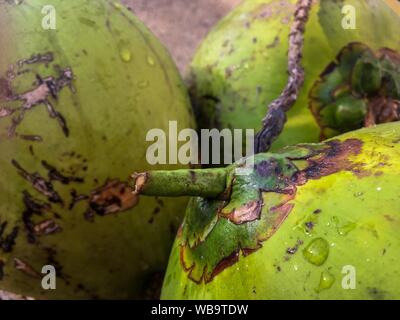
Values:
[(249, 212), (55, 175), (45, 87), (333, 159), (26, 268), (295, 248), (76, 198), (46, 227), (113, 197), (42, 185), (45, 58), (382, 110), (7, 241)]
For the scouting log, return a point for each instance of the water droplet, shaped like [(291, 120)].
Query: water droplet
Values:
[(150, 61), (126, 55), (326, 281), (317, 251), (143, 84)]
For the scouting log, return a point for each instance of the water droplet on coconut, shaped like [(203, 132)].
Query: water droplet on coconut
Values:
[(317, 251), (125, 54), (326, 281), (150, 61)]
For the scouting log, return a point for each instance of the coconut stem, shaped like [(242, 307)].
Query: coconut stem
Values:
[(275, 120), (207, 183)]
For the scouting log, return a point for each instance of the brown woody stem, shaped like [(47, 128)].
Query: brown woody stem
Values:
[(275, 120)]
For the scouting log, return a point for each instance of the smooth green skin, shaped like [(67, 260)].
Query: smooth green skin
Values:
[(116, 256), (356, 214), (241, 66)]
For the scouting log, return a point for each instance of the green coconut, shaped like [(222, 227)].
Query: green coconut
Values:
[(241, 67), (81, 84), (312, 221)]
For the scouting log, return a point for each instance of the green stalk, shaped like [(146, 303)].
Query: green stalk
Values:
[(207, 183)]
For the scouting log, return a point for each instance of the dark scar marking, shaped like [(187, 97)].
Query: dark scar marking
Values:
[(46, 227), (33, 138), (26, 268), (32, 207), (39, 95), (39, 183), (45, 58), (55, 175), (76, 198), (7, 242), (51, 260)]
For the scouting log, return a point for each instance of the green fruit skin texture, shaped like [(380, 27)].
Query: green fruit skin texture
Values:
[(125, 84), (347, 216), (241, 66)]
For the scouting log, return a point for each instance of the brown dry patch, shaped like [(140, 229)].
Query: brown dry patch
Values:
[(333, 159), (382, 110), (247, 213), (113, 197), (26, 268), (46, 227)]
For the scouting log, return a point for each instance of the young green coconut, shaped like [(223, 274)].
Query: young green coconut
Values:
[(351, 61), (82, 82), (312, 221)]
